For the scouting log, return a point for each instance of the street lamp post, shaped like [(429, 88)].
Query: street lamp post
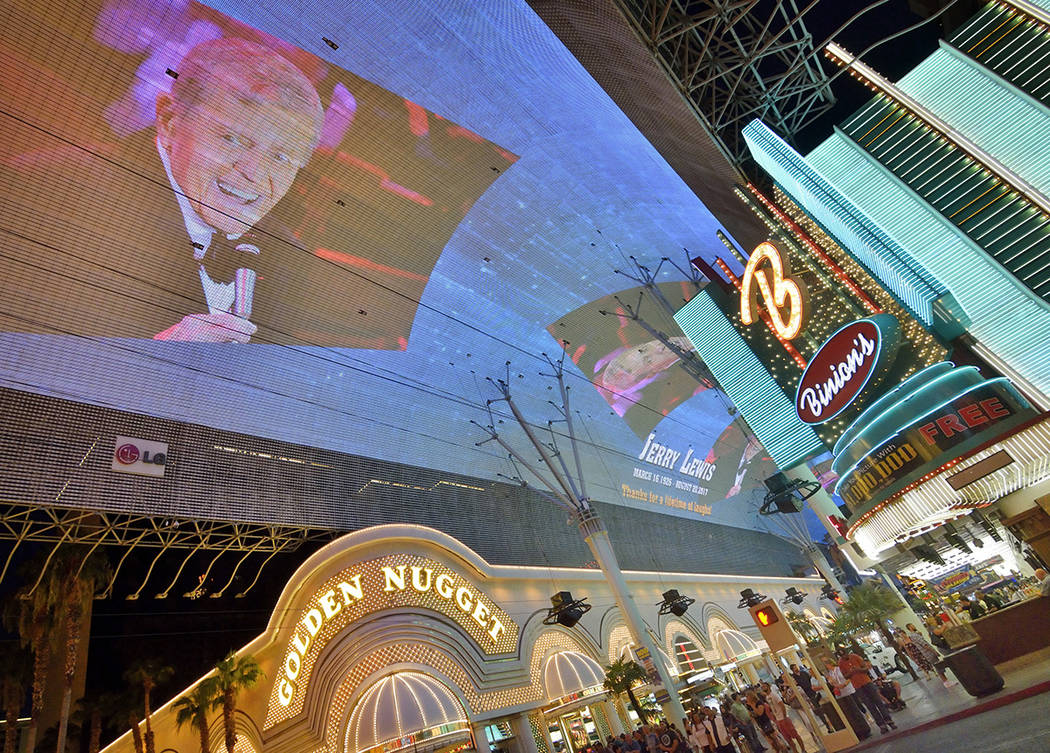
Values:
[(567, 489)]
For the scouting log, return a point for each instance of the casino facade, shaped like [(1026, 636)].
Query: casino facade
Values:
[(400, 637)]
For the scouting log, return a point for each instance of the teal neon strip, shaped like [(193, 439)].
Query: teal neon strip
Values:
[(923, 417), (872, 411), (761, 401), (917, 393), (912, 285)]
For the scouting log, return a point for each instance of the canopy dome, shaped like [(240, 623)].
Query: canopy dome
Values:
[(569, 672), (406, 704), (733, 645)]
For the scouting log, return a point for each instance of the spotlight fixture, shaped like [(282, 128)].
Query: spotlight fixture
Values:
[(674, 603), (830, 593), (566, 610), (794, 596), (748, 599), (786, 495), (927, 550)]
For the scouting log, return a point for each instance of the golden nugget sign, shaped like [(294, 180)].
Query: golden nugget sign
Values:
[(779, 293), (389, 583)]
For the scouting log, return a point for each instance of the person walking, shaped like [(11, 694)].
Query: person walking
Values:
[(785, 726), (718, 735), (696, 734), (931, 655), (745, 723), (856, 669), (760, 712)]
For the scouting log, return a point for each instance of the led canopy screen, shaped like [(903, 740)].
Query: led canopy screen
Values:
[(334, 225)]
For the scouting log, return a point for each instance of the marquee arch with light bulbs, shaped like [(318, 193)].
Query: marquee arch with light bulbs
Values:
[(410, 612)]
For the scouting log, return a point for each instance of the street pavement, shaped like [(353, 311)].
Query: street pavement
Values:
[(1018, 715), (1022, 727)]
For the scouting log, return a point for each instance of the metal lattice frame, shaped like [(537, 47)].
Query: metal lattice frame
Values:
[(25, 523), (736, 60)]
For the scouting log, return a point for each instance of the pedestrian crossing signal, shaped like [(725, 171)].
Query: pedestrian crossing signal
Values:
[(766, 616)]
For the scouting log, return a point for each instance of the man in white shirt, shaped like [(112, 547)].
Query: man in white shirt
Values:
[(782, 720), (844, 692), (720, 739)]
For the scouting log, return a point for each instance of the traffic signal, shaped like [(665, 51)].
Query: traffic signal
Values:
[(766, 616), (770, 622)]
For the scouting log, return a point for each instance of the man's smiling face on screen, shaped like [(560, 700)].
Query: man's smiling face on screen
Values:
[(235, 147), (235, 158)]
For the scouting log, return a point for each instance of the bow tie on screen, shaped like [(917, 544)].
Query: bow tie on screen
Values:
[(225, 256)]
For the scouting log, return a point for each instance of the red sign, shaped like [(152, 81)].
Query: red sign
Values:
[(838, 372), (127, 454)]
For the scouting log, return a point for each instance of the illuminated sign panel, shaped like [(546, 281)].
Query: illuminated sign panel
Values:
[(844, 365), (779, 292), (982, 411), (391, 582), (838, 372), (391, 212), (141, 456)]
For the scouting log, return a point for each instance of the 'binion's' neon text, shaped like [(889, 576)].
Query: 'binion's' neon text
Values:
[(816, 399)]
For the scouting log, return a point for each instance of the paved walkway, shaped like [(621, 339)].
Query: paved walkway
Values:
[(1022, 727), (931, 705)]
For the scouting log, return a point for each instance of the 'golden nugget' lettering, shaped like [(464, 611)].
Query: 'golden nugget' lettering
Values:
[(379, 586)]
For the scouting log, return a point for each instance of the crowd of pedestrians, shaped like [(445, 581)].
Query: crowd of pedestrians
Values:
[(763, 717), (750, 721)]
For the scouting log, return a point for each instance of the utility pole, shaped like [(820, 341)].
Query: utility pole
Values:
[(566, 487)]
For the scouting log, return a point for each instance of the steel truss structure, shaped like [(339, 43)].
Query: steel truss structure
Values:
[(736, 60), (22, 523)]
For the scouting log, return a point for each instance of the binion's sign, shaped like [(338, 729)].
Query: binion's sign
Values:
[(843, 366), (783, 296)]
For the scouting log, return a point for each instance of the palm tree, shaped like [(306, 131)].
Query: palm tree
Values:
[(128, 711), (96, 710), (50, 738), (32, 617), (73, 580), (148, 673), (620, 677), (136, 732), (841, 629), (193, 708), (234, 674), (868, 607), (802, 625), (14, 673)]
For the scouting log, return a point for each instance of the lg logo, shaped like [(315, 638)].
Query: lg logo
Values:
[(781, 293), (142, 457), (129, 454)]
